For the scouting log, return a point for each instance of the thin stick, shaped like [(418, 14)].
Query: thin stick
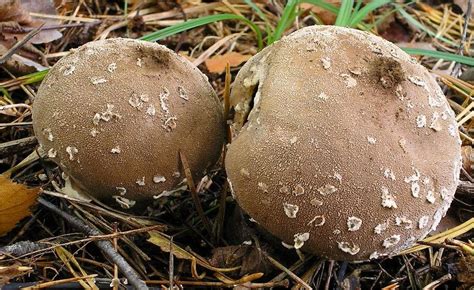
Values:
[(105, 246), (279, 266), (171, 264), (465, 111), (115, 280), (14, 106), (438, 282), (17, 145), (19, 44), (59, 282), (282, 283), (192, 189), (228, 79), (16, 124), (328, 281), (467, 18), (466, 118)]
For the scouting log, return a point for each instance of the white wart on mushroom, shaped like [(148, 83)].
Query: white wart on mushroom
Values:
[(349, 140), (116, 113)]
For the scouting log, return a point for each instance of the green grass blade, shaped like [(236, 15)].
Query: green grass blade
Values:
[(5, 93), (345, 12), (357, 6), (361, 14), (420, 26), (34, 77), (193, 23), (441, 55), (256, 9), (323, 4), (268, 27), (287, 17)]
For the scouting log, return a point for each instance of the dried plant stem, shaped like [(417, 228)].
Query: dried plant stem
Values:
[(438, 282), (279, 266), (19, 44), (105, 246), (58, 282)]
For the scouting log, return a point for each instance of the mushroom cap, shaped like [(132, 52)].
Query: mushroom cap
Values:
[(114, 114), (350, 150)]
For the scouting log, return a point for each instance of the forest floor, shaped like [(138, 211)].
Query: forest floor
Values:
[(45, 250)]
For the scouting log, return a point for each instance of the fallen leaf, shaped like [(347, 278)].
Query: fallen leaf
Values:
[(468, 76), (15, 203), (394, 31), (20, 65), (16, 11), (217, 63), (164, 242), (11, 10), (249, 258), (463, 5), (74, 267), (324, 15), (9, 272)]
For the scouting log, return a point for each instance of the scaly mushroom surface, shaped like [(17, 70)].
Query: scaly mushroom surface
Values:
[(346, 146), (114, 114)]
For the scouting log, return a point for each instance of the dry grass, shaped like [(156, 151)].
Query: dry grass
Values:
[(191, 247)]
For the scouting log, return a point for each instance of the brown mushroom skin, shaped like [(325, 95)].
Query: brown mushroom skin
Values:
[(115, 114), (350, 150)]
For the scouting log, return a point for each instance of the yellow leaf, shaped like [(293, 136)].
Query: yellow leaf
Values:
[(217, 63), (69, 260), (164, 242), (15, 202)]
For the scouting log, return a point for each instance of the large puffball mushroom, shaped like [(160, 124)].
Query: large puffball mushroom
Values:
[(115, 114), (345, 147)]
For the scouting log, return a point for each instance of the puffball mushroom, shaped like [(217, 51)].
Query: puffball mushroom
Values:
[(350, 149), (114, 114)]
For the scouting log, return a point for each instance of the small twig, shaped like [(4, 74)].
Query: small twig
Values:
[(435, 245), (10, 147), (105, 246), (21, 248), (194, 194), (228, 80), (19, 44), (58, 282), (60, 26), (171, 263), (221, 212), (328, 281), (115, 281), (465, 29), (118, 234), (14, 106), (438, 282), (266, 285), (16, 124), (279, 266)]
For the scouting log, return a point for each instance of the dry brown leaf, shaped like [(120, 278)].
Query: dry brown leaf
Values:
[(163, 242), (325, 16), (463, 5), (11, 10), (217, 63), (9, 272), (15, 203), (18, 11)]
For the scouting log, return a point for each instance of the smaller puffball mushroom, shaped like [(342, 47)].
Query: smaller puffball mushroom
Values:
[(115, 115), (345, 146)]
